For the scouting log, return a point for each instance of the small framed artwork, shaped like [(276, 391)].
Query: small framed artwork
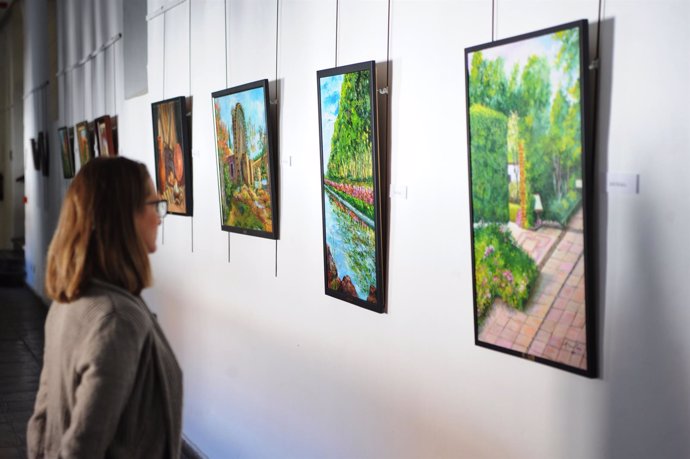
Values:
[(84, 142), (172, 153), (66, 151), (352, 206), (246, 160), (44, 153), (530, 169), (35, 154), (104, 136)]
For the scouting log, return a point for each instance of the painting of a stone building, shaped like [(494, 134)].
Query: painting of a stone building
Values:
[(244, 161)]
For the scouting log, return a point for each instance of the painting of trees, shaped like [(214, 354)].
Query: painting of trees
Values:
[(350, 158), (352, 261), (529, 217), (539, 96)]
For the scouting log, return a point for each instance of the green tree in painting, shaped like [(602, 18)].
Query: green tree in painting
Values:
[(488, 84), (489, 165), (351, 149), (535, 94)]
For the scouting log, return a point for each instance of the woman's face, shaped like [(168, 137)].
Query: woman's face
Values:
[(147, 219)]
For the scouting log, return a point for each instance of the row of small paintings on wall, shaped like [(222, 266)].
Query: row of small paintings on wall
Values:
[(98, 137), (530, 161)]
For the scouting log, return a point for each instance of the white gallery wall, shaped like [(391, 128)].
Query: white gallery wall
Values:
[(273, 367)]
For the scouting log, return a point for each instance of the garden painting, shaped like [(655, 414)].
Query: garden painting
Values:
[(526, 148), (172, 155), (352, 270), (245, 160)]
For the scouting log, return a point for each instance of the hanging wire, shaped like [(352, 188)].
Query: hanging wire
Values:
[(600, 14), (594, 66), (276, 108), (225, 4), (226, 82), (337, 12), (114, 79), (164, 15), (191, 219), (105, 85), (493, 20)]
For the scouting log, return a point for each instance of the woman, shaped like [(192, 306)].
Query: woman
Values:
[(110, 384)]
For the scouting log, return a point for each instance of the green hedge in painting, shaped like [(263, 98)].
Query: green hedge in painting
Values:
[(489, 165), (502, 269)]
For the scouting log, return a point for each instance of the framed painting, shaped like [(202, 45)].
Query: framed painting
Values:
[(44, 153), (172, 153), (104, 136), (35, 155), (66, 138), (246, 160), (84, 142), (530, 168), (350, 186)]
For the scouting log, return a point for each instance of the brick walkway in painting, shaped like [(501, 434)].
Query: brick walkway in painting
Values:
[(553, 323)]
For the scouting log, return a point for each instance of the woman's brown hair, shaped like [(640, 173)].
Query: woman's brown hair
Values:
[(96, 236)]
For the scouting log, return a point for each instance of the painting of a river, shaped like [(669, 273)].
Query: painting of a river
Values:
[(352, 254)]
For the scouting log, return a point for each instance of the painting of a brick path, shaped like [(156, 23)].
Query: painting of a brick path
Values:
[(553, 322), (526, 174)]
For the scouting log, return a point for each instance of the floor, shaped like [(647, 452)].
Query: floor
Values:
[(22, 316)]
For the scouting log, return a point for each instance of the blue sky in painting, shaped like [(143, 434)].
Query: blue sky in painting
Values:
[(330, 100), (519, 52), (252, 102)]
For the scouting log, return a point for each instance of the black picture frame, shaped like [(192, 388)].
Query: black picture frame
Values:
[(173, 162), (85, 142), (35, 154), (532, 265), (352, 204), (44, 153), (238, 171), (104, 133), (66, 139)]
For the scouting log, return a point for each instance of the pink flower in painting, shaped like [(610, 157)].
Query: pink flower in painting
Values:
[(508, 276), (489, 250), (362, 193)]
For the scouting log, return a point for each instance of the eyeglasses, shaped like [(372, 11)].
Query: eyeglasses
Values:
[(161, 207)]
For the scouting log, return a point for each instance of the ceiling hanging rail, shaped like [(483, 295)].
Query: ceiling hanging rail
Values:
[(110, 42), (163, 8)]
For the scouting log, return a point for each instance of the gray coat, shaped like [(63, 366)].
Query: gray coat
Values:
[(110, 384)]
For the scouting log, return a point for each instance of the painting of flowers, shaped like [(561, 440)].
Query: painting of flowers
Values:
[(246, 160), (528, 164), (172, 153), (353, 267)]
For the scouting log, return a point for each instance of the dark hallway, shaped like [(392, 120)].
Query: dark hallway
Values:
[(22, 316)]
